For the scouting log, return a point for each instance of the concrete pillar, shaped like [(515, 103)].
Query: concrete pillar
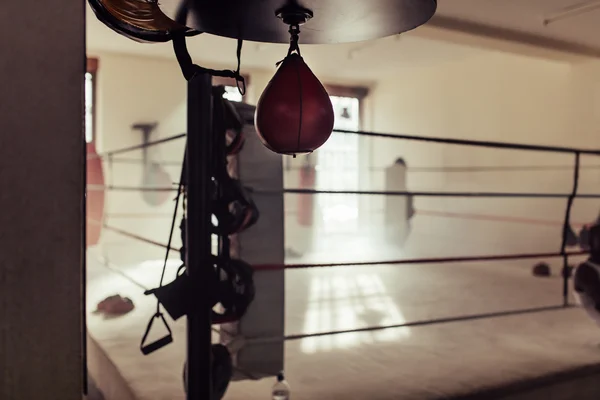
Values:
[(42, 66), (263, 326)]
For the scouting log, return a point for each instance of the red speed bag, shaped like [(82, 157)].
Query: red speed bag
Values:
[(94, 197), (294, 114), (306, 201)]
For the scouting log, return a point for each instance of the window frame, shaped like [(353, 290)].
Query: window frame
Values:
[(358, 92), (92, 68), (225, 81)]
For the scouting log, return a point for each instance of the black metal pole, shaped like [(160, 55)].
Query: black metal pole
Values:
[(566, 226), (198, 241)]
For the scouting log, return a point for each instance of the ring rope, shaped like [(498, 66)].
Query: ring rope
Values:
[(369, 192), (486, 168), (460, 142), (433, 260), (115, 269), (131, 235), (417, 323), (426, 194), (430, 322), (427, 213), (137, 147), (474, 143), (453, 169), (101, 188), (494, 218), (138, 161)]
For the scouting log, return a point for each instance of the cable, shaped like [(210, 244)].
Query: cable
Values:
[(175, 210)]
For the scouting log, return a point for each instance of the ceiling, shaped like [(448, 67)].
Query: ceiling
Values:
[(348, 61), (524, 20), (519, 22)]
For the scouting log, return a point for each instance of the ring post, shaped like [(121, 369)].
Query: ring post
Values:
[(198, 240), (563, 248)]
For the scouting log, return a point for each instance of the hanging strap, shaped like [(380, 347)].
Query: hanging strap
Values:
[(160, 343), (294, 32), (188, 67), (190, 70), (179, 190)]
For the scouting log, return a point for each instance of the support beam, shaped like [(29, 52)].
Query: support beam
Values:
[(199, 167), (42, 175)]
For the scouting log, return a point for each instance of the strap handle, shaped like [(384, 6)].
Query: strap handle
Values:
[(160, 343), (190, 70)]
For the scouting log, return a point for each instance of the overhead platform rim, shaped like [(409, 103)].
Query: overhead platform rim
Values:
[(356, 22)]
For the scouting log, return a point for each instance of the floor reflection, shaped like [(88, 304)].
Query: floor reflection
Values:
[(343, 302)]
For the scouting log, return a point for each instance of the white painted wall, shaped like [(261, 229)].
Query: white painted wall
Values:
[(136, 90), (495, 97)]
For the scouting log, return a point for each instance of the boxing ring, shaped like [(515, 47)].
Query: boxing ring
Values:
[(430, 295), (401, 321)]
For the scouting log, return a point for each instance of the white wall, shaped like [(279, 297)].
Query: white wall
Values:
[(586, 96), (496, 97), (134, 90)]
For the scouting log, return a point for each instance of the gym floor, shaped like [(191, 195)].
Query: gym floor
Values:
[(421, 362)]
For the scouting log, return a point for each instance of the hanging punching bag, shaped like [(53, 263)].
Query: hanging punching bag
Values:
[(294, 114), (306, 201), (94, 197)]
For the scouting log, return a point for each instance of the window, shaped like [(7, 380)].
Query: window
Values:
[(89, 107), (231, 91), (233, 94), (90, 96), (337, 166)]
